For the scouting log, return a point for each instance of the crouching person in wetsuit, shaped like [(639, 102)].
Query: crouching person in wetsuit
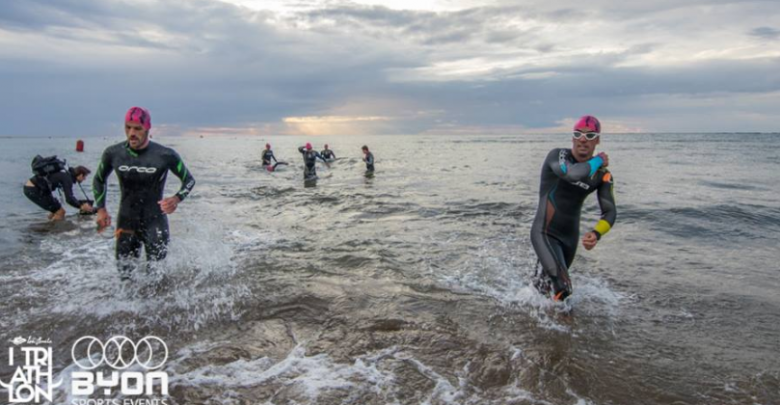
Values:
[(39, 189), (141, 167), (268, 155), (568, 177), (310, 157)]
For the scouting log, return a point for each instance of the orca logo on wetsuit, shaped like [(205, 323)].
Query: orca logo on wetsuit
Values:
[(124, 168)]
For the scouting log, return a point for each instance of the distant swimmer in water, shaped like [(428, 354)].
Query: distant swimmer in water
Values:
[(141, 167), (568, 177), (52, 174), (368, 157), (328, 154), (268, 155), (310, 157)]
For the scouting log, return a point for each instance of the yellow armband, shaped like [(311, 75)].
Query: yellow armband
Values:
[(602, 227)]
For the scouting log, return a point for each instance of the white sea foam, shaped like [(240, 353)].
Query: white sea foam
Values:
[(310, 375), (503, 270), (199, 258)]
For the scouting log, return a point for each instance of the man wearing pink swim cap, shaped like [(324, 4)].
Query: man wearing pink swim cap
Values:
[(568, 177), (142, 167)]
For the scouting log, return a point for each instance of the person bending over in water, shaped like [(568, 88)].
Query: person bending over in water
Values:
[(39, 189)]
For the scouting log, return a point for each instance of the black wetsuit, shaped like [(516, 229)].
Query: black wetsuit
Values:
[(555, 232), (309, 160), (369, 159), (328, 154), (41, 193), (268, 154), (141, 176)]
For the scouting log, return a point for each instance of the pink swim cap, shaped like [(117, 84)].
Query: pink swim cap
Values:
[(588, 123), (139, 115), (308, 146), (268, 146)]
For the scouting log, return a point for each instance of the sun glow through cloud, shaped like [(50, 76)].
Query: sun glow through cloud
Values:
[(332, 125)]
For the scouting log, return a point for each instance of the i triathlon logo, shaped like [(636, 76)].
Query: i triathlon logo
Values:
[(116, 366), (34, 380), (134, 367)]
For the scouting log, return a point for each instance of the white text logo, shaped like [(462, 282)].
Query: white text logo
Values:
[(581, 184), (124, 168), (25, 385), (119, 353)]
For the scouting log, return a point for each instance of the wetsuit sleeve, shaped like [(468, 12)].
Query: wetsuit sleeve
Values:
[(273, 157), (63, 180), (187, 181), (557, 161), (317, 155), (332, 153), (301, 149), (100, 182), (606, 196), (370, 159)]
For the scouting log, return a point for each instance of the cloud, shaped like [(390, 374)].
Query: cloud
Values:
[(765, 33), (206, 65)]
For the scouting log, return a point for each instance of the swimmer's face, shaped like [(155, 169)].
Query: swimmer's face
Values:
[(136, 135), (583, 148)]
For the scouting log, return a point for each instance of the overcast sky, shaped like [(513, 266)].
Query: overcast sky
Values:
[(325, 67)]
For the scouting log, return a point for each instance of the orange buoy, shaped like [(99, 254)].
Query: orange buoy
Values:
[(79, 146)]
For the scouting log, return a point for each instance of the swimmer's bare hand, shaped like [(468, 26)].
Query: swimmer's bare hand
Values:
[(169, 205), (589, 241), (103, 219)]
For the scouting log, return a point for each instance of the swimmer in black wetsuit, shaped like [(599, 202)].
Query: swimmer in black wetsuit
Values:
[(368, 158), (568, 177), (39, 190), (268, 154), (328, 154), (141, 167), (309, 160)]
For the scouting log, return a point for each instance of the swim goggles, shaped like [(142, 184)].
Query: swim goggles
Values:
[(588, 135)]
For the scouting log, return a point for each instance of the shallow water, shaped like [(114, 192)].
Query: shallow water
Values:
[(413, 286)]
